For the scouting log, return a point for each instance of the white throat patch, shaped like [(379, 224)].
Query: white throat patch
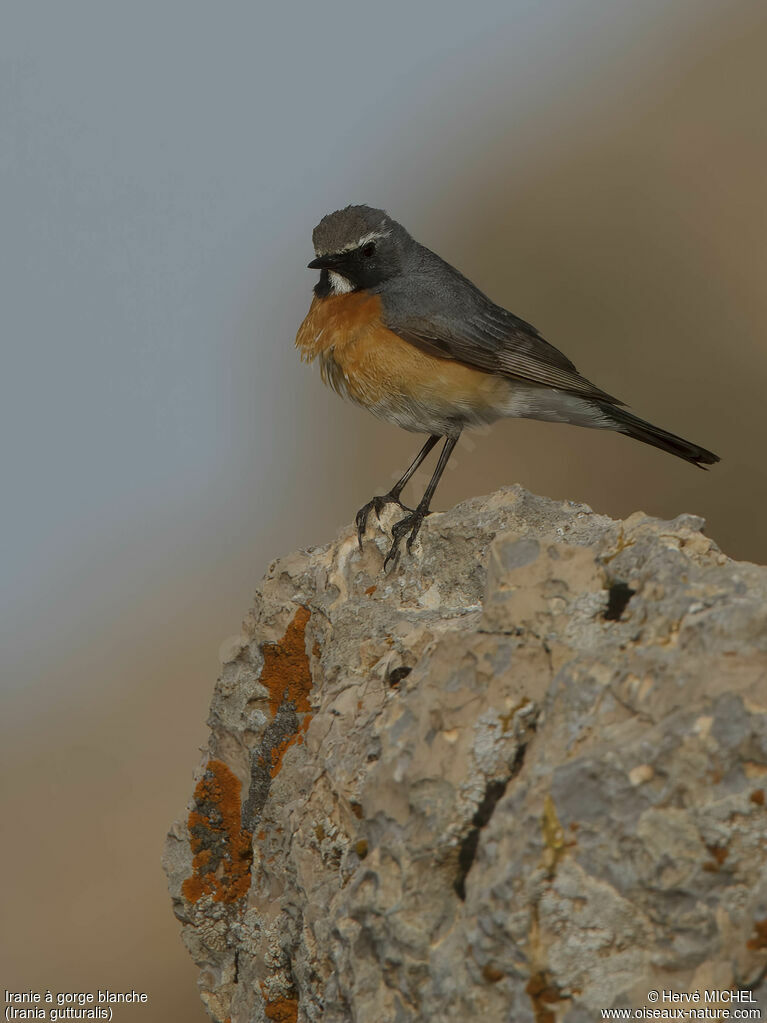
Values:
[(339, 285)]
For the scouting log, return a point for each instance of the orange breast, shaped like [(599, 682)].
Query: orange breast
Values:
[(365, 361)]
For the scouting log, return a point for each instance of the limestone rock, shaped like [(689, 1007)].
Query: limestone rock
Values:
[(520, 776)]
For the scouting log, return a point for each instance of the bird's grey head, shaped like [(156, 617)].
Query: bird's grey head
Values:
[(357, 248)]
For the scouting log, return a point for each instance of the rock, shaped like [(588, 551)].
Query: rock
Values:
[(521, 776)]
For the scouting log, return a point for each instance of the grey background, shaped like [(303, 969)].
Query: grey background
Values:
[(596, 166)]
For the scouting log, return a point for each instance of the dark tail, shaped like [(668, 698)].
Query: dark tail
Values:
[(639, 429)]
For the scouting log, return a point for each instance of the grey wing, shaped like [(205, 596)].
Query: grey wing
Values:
[(441, 312)]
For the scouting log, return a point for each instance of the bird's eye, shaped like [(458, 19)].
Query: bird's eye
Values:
[(369, 250)]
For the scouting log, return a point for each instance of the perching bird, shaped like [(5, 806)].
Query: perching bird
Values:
[(401, 332)]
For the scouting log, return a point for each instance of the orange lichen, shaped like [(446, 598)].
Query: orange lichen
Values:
[(540, 992), (718, 854), (759, 941), (492, 974), (361, 848), (757, 796), (286, 672), (278, 752), (287, 677), (221, 847), (280, 1010)]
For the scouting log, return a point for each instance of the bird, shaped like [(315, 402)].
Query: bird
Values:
[(399, 331)]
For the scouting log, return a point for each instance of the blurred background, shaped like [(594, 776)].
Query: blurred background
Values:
[(598, 166)]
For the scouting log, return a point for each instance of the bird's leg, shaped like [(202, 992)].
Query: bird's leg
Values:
[(393, 495), (412, 522)]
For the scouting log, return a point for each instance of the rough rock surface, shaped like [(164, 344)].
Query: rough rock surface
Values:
[(519, 777)]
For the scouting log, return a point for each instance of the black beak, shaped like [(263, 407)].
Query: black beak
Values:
[(325, 262)]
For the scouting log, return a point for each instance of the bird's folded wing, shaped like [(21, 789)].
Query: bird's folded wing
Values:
[(489, 338)]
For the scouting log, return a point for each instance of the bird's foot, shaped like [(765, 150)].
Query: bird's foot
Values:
[(409, 525), (377, 505)]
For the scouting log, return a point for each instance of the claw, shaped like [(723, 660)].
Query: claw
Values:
[(411, 525), (377, 504), (361, 521)]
